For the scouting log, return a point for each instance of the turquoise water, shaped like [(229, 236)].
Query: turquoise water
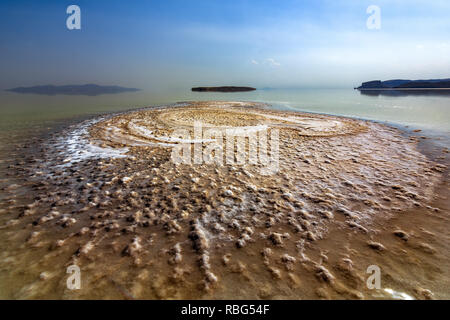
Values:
[(431, 113)]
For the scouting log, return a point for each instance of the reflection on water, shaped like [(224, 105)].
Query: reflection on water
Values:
[(429, 112), (406, 92)]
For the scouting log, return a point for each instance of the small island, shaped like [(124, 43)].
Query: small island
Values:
[(223, 89)]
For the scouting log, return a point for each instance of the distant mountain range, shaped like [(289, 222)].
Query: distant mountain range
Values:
[(405, 84), (85, 89)]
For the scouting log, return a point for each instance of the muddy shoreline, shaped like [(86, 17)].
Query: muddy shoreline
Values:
[(141, 244)]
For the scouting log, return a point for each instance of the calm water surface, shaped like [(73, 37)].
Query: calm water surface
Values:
[(21, 114)]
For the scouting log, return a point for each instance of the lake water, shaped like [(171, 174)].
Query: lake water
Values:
[(22, 113)]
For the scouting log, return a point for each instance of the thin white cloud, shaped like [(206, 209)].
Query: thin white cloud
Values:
[(272, 62), (268, 62)]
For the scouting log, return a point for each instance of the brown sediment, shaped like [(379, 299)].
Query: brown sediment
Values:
[(347, 194)]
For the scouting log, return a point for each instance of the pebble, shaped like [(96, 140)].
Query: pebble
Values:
[(125, 180), (401, 234), (276, 238), (376, 246)]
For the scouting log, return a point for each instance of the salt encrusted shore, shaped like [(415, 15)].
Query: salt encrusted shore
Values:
[(105, 195)]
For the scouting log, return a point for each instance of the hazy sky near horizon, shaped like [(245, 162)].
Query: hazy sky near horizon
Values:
[(263, 43)]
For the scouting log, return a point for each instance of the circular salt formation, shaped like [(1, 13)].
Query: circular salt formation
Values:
[(154, 127)]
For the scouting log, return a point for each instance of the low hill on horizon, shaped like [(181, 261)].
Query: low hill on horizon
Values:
[(405, 84), (84, 89)]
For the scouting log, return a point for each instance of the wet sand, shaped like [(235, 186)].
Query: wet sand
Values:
[(105, 195)]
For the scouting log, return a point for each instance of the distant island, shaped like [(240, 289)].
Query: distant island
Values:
[(400, 84), (85, 89), (223, 89)]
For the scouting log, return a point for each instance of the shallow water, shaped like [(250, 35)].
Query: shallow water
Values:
[(430, 113)]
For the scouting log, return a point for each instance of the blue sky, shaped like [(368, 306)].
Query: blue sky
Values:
[(176, 44)]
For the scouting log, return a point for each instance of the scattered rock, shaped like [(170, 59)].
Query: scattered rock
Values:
[(376, 246), (276, 238), (401, 234)]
